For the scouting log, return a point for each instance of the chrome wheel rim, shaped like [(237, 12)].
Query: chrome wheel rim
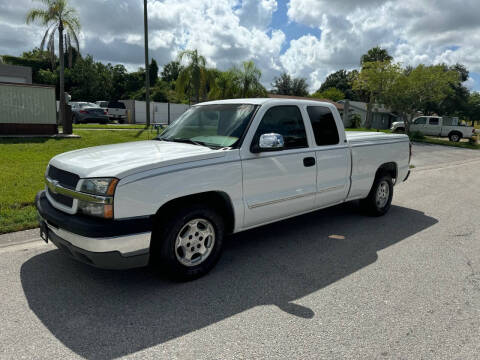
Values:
[(455, 138), (195, 242), (383, 193)]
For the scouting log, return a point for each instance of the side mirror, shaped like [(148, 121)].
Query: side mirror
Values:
[(270, 142)]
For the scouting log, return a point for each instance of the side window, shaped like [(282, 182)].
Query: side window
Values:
[(323, 124), (433, 121), (421, 121), (286, 121)]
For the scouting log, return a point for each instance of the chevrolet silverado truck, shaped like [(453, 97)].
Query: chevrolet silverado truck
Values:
[(221, 168), (437, 126)]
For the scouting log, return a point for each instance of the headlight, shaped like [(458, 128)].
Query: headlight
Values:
[(104, 188), (99, 186)]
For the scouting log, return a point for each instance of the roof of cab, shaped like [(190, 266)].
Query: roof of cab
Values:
[(262, 101)]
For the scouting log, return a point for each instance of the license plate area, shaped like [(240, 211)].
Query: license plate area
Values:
[(44, 231)]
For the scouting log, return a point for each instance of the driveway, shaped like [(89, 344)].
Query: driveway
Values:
[(333, 284), (429, 155)]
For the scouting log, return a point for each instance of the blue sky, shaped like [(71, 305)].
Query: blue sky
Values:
[(306, 38)]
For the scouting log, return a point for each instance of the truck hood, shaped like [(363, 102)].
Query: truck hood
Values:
[(120, 160)]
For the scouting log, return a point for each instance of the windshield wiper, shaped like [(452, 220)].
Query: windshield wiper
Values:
[(186, 141)]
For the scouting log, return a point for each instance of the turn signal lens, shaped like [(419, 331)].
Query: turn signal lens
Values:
[(111, 187), (108, 212)]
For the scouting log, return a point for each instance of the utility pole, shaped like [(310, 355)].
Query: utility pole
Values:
[(147, 70)]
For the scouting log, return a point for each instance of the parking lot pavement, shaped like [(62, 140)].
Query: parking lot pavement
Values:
[(330, 284), (429, 155)]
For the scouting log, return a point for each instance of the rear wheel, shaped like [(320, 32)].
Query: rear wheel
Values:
[(455, 137), (379, 200), (188, 244)]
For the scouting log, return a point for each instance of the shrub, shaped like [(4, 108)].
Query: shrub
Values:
[(416, 135), (356, 121)]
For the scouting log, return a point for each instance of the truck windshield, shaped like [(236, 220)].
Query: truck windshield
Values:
[(211, 125)]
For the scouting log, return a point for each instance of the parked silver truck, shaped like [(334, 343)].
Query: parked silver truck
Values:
[(437, 126)]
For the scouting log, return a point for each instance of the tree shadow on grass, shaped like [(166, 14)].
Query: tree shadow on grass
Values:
[(106, 314)]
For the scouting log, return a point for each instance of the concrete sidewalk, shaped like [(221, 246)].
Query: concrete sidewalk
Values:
[(19, 237)]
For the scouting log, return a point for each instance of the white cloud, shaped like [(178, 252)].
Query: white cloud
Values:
[(227, 32), (414, 31)]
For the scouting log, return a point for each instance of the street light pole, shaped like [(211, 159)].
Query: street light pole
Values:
[(147, 71)]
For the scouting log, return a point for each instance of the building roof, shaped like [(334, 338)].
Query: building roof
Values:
[(337, 105)]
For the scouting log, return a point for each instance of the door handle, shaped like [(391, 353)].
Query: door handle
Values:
[(309, 161)]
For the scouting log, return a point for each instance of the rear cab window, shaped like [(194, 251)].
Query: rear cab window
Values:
[(324, 125), (433, 121), (116, 105)]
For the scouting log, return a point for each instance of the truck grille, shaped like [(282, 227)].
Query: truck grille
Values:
[(62, 199), (65, 178)]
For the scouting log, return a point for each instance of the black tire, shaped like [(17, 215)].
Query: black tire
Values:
[(121, 121), (74, 120), (370, 203), (163, 253), (399, 130), (455, 137)]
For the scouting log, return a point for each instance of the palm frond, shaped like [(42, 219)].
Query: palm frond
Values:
[(43, 16), (47, 32), (73, 35)]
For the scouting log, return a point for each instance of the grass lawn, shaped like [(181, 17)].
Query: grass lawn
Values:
[(108, 126), (22, 167), (447, 142)]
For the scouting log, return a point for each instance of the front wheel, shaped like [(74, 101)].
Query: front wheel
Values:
[(379, 200), (189, 243)]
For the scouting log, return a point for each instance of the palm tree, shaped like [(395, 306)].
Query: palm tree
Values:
[(224, 85), (57, 16), (249, 80), (193, 77)]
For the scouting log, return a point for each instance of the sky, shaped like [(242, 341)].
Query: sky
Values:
[(305, 38)]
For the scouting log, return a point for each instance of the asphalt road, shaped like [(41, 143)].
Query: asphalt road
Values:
[(404, 286)]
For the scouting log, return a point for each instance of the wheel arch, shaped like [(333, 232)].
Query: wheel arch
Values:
[(390, 168), (455, 132), (218, 200)]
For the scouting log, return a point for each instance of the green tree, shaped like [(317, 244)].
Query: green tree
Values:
[(286, 85), (225, 85), (409, 92), (171, 71), (375, 79), (376, 54), (472, 111), (249, 80), (36, 59), (456, 102), (153, 69), (57, 16), (192, 78), (343, 81), (331, 94)]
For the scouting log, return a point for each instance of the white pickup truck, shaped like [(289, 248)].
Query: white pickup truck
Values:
[(115, 110), (437, 126), (221, 168)]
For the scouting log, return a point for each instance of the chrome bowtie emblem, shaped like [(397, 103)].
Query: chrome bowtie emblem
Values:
[(54, 186)]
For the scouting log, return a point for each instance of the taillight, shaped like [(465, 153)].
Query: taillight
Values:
[(83, 111), (105, 112)]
